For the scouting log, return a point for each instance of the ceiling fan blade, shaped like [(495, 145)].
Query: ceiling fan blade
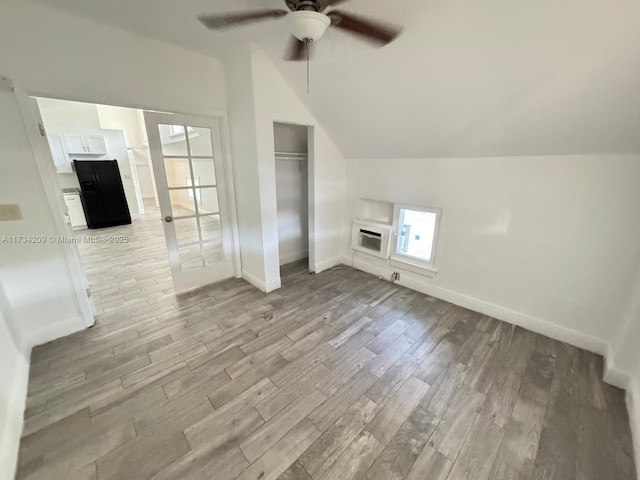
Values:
[(296, 51), (372, 30), (233, 19), (330, 3)]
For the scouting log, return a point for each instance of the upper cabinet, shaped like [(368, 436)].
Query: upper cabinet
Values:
[(59, 153), (96, 144), (85, 144)]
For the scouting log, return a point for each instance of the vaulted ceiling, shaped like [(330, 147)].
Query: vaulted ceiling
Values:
[(466, 78)]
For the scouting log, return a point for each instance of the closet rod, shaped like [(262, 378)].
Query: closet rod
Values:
[(290, 156)]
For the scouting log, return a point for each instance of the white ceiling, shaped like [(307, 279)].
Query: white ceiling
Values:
[(466, 78)]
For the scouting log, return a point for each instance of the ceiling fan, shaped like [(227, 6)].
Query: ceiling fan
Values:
[(307, 24)]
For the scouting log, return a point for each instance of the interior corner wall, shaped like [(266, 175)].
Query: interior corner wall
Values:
[(242, 131), (275, 101), (547, 242)]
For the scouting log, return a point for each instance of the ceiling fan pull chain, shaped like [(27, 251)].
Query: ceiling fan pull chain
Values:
[(307, 42)]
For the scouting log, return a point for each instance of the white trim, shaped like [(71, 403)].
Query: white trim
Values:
[(16, 403), (55, 200), (52, 332), (613, 375), (330, 263), (272, 285), (182, 280), (260, 284), (633, 408), (253, 280), (523, 320), (429, 272)]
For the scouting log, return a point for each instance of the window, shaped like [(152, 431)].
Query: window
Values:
[(177, 130), (416, 232)]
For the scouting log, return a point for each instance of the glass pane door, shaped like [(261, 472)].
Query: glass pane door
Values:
[(187, 158)]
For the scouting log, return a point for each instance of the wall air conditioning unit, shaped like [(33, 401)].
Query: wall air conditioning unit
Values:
[(371, 238)]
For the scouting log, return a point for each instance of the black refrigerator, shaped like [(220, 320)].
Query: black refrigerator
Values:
[(102, 193)]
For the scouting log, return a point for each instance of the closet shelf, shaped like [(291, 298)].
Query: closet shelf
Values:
[(290, 156)]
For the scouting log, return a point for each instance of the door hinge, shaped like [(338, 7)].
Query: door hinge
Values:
[(88, 290), (43, 132)]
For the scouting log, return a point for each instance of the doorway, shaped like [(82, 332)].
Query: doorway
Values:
[(292, 191), (190, 175), (129, 264)]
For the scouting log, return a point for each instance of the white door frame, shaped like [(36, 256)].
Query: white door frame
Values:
[(51, 187), (196, 278), (53, 192)]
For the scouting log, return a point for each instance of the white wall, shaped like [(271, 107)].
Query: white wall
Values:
[(242, 123), (52, 53), (14, 374), (290, 138), (70, 115), (548, 242), (126, 119), (131, 122)]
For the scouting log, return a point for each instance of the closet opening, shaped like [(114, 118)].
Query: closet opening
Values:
[(292, 191)]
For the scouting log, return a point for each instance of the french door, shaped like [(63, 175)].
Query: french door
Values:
[(188, 165)]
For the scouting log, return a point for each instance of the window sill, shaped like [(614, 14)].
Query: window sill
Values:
[(424, 270)]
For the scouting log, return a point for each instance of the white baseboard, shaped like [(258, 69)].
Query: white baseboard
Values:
[(12, 424), (633, 407), (266, 287), (614, 375), (273, 285), (294, 257), (528, 322), (327, 264), (253, 280), (55, 331)]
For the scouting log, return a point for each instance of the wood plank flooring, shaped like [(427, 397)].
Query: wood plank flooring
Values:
[(335, 376)]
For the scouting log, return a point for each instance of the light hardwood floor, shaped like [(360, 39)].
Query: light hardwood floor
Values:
[(335, 376)]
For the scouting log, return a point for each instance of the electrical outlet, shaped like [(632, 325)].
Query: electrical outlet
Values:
[(10, 211)]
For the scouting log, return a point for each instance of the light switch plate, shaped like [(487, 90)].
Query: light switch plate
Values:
[(10, 211)]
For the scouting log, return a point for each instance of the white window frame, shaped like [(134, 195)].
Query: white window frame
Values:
[(406, 261)]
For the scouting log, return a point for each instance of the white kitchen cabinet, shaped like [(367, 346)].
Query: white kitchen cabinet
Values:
[(76, 213), (75, 144), (59, 153), (85, 144)]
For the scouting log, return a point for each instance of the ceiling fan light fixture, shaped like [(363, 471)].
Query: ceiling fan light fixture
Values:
[(307, 25)]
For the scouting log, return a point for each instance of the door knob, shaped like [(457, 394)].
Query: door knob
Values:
[(168, 219)]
